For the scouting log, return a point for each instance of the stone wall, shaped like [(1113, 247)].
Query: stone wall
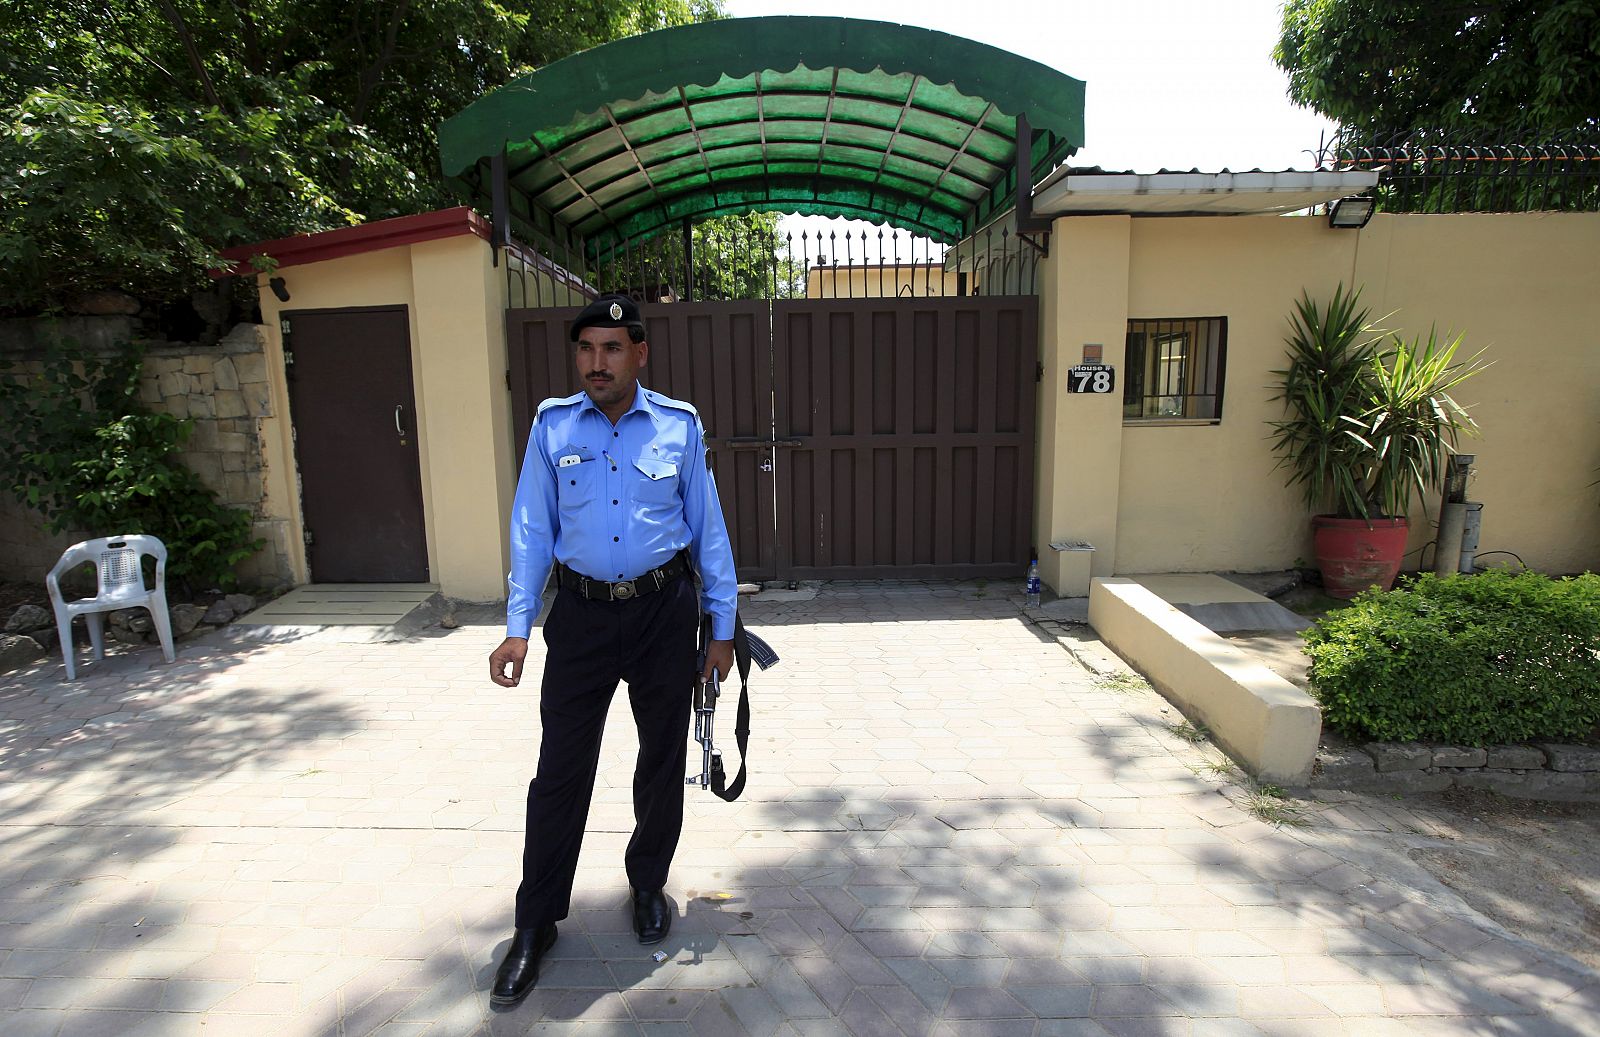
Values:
[(225, 392), (223, 389), (27, 548), (1546, 770)]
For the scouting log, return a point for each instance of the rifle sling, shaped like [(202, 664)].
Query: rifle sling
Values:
[(741, 725)]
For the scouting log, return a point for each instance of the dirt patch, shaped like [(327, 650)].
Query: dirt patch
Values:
[(1532, 866)]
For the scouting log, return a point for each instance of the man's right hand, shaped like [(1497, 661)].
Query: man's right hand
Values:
[(510, 653)]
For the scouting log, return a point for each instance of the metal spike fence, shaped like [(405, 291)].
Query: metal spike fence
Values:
[(1452, 173), (732, 260)]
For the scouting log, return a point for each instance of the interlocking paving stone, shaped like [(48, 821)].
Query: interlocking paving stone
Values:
[(1057, 1000), (951, 828)]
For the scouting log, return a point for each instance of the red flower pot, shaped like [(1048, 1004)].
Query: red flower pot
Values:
[(1355, 554)]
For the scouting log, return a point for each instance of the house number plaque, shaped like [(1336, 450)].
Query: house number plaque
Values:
[(1091, 378)]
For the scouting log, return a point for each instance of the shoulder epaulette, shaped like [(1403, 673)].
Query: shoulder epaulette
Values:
[(667, 401), (559, 401)]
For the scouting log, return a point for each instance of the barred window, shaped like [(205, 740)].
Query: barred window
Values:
[(1174, 369)]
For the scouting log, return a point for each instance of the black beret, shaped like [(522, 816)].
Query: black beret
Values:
[(608, 311)]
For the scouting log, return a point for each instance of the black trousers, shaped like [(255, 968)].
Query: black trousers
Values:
[(649, 642)]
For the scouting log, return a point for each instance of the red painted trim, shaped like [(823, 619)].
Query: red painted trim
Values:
[(351, 241)]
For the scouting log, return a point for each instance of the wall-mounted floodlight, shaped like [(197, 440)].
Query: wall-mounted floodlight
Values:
[(1351, 213)]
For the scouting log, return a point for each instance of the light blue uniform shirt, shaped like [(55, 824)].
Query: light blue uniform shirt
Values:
[(612, 503)]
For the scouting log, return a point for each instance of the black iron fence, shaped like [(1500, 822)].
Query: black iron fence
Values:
[(1448, 173), (730, 259)]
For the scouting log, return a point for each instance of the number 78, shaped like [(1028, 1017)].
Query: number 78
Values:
[(1092, 381)]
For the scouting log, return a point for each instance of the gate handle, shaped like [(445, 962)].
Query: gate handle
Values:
[(759, 442), (397, 428)]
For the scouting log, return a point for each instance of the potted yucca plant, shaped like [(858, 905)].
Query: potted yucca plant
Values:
[(1369, 423)]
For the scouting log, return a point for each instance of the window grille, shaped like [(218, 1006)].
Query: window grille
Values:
[(1175, 368)]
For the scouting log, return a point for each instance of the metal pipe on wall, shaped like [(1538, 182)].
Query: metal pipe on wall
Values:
[(1469, 536), (1452, 527), (1447, 553)]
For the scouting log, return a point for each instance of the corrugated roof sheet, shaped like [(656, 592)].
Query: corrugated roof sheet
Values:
[(1070, 191)]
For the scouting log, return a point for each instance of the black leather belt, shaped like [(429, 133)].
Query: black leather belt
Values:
[(599, 590)]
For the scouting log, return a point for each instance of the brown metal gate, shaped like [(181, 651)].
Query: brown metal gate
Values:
[(864, 438), (908, 436)]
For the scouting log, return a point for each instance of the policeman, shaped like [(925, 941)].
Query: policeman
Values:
[(615, 492)]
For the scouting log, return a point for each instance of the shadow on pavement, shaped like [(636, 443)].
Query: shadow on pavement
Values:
[(104, 784)]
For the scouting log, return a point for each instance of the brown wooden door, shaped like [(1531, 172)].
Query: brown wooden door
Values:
[(354, 411), (909, 427), (714, 355)]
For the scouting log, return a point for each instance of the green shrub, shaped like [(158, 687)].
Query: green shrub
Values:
[(1478, 660), (82, 449)]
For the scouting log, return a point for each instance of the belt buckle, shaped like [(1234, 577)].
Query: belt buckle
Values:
[(624, 590)]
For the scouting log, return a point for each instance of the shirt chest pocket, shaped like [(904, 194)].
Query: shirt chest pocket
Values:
[(656, 480), (577, 485)]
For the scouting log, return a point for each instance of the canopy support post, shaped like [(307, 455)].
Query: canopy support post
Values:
[(501, 202), (688, 261), (1027, 222)]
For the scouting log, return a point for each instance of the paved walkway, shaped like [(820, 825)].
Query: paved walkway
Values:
[(952, 828)]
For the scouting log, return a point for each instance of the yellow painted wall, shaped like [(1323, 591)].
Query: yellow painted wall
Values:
[(1203, 497), (1195, 498), (1083, 289), (455, 302), (461, 352), (1526, 287)]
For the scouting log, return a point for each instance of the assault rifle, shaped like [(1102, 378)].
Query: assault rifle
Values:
[(746, 646)]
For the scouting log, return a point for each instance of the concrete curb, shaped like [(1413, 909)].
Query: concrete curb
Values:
[(1269, 726)]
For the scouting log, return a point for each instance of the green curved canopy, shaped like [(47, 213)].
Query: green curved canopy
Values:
[(821, 116)]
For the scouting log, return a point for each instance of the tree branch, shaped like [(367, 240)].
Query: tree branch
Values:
[(372, 75), (114, 20), (248, 36), (191, 50)]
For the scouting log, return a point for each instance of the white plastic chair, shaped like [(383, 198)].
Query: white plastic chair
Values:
[(121, 585)]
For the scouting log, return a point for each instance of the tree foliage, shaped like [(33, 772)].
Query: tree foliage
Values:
[(1398, 65), (139, 136), (107, 194)]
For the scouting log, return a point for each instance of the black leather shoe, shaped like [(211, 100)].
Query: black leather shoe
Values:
[(652, 915), (520, 969)]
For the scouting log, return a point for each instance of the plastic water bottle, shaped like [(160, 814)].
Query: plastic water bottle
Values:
[(1033, 583)]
